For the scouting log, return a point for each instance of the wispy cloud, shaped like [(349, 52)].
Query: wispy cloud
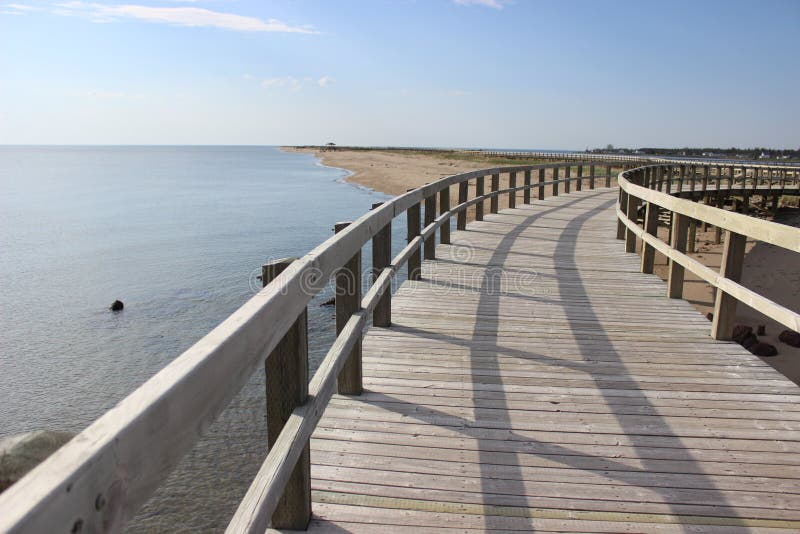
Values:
[(325, 81), (495, 4), (23, 7), (292, 83), (194, 17)]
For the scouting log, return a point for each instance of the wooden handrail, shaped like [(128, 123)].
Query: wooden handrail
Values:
[(100, 479), (685, 213)]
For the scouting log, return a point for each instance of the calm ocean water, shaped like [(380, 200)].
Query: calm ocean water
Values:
[(177, 234)]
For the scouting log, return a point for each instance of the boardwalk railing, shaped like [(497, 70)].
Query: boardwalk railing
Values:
[(674, 189), (98, 480)]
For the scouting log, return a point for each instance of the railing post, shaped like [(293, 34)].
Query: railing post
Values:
[(705, 179), (512, 195), (725, 304), (623, 206), (692, 235), (681, 179), (680, 226), (693, 172), (286, 373), (555, 181), (461, 218), (494, 202), (526, 193), (579, 183), (348, 302), (730, 178), (650, 227), (479, 193), (591, 176), (412, 226), (541, 183), (567, 174), (444, 207), (608, 175), (630, 237), (381, 258), (430, 214)]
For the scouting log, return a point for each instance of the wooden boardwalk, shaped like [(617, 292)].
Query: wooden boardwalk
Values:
[(535, 380)]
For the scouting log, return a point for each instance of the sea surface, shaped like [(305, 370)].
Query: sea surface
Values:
[(178, 234)]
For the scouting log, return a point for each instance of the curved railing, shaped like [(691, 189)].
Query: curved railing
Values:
[(99, 480), (677, 189)]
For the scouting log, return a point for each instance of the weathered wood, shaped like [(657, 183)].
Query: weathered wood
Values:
[(675, 276), (412, 231), (286, 372), (494, 202), (623, 201), (444, 207), (591, 176), (382, 258), (461, 218), (479, 193), (608, 175), (731, 268), (630, 236), (348, 302), (651, 227), (512, 195), (692, 244), (555, 181), (541, 184), (430, 215), (579, 181), (567, 179), (526, 194)]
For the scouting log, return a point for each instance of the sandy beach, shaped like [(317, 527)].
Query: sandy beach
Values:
[(771, 271)]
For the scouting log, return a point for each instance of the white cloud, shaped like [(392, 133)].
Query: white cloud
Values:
[(495, 4), (193, 17), (23, 7), (458, 92), (285, 81), (326, 81)]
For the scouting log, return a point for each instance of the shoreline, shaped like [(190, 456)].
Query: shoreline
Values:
[(767, 270)]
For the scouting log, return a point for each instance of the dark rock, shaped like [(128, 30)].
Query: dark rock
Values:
[(21, 453), (117, 305), (790, 338), (749, 340), (761, 330), (763, 349), (740, 331), (330, 302), (710, 316)]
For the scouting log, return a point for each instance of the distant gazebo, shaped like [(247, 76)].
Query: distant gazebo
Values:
[(329, 146)]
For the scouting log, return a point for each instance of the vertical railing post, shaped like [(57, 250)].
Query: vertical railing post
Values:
[(579, 182), (609, 170), (461, 218), (680, 226), (526, 193), (494, 202), (541, 183), (286, 373), (732, 171), (591, 176), (381, 258), (681, 179), (725, 304), (692, 235), (512, 195), (430, 214), (444, 207), (705, 179), (623, 206), (479, 193), (650, 227), (630, 237), (567, 175), (348, 302), (693, 175), (412, 231), (555, 181)]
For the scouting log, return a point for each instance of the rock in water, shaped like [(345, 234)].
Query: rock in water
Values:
[(763, 349), (117, 305), (741, 331), (790, 338), (21, 453)]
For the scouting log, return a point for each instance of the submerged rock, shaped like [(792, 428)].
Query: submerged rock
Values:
[(790, 338), (21, 453), (117, 305), (763, 349)]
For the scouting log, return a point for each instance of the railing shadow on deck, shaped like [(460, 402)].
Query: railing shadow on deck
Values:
[(488, 305)]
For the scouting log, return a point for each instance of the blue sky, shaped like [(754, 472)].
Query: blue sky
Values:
[(477, 73)]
